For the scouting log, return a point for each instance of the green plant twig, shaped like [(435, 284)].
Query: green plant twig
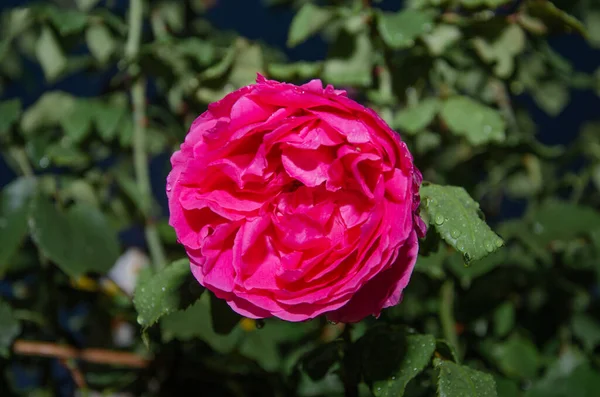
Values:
[(447, 314), (140, 156)]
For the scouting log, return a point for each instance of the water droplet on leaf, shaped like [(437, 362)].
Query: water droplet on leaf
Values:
[(439, 219)]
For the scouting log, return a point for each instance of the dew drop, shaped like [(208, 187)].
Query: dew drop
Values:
[(489, 246), (260, 323), (163, 289), (498, 243), (439, 219), (169, 187), (455, 233), (140, 320)]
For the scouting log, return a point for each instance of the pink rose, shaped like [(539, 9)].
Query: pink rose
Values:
[(295, 201)]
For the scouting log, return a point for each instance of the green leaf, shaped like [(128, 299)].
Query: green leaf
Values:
[(195, 322), (516, 358), (507, 387), (48, 111), (294, 71), (592, 24), (317, 362), (441, 38), (455, 216), (560, 220), (446, 350), (401, 29), (50, 55), (224, 319), (10, 328), (165, 292), (86, 5), (78, 240), (221, 67), (14, 210), (570, 375), (416, 118), (483, 3), (350, 65), (426, 141), (248, 61), (100, 41), (478, 123), (107, 117), (10, 111), (461, 381), (309, 20), (587, 330), (502, 50), (417, 355), (551, 96), (67, 21), (77, 124), (504, 319)]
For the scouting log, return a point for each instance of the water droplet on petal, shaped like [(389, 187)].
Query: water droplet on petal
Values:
[(169, 187)]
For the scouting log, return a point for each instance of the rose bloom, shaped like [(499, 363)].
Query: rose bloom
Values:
[(296, 201)]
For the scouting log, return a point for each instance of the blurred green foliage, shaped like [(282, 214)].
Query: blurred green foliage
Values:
[(520, 320)]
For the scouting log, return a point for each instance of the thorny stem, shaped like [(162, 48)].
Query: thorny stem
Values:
[(140, 157)]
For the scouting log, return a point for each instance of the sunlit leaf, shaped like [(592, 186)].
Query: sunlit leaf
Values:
[(165, 292), (350, 65), (100, 42), (455, 216), (478, 123), (401, 29), (310, 19), (50, 54)]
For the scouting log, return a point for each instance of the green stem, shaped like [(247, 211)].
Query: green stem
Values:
[(20, 157), (447, 314), (140, 156)]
